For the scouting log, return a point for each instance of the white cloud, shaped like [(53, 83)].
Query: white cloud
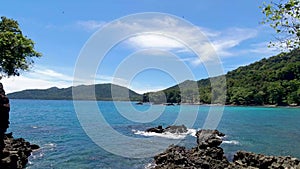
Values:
[(172, 32), (262, 48), (141, 89), (39, 78), (174, 36), (19, 83), (154, 41), (90, 25), (44, 78), (230, 39)]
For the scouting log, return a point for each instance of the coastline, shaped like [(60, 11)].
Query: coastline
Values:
[(164, 104)]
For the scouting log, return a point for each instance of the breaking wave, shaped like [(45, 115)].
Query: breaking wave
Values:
[(191, 132)]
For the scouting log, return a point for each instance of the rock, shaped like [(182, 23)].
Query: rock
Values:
[(263, 161), (209, 138), (34, 147), (171, 129), (16, 152), (176, 129), (158, 129), (208, 155), (169, 104), (139, 103)]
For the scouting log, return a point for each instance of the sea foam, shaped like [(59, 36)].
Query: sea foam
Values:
[(234, 142), (191, 132)]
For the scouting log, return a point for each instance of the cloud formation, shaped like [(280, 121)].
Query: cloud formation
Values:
[(90, 25), (177, 37), (39, 78)]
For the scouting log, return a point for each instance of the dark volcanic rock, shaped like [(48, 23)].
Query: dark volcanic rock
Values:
[(208, 155), (209, 138), (16, 152), (176, 129), (170, 129), (158, 129), (243, 158)]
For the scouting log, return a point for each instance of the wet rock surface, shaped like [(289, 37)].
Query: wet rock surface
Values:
[(171, 129), (208, 155), (16, 152)]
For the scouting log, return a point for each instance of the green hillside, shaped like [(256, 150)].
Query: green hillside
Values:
[(84, 92), (272, 81), (269, 81)]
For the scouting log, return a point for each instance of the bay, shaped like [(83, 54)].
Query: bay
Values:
[(53, 124)]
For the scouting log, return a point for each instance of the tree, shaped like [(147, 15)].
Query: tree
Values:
[(284, 17), (16, 50)]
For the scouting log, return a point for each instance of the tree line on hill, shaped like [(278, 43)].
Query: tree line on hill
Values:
[(272, 81)]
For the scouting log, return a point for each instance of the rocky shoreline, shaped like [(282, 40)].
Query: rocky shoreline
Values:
[(209, 155), (16, 152)]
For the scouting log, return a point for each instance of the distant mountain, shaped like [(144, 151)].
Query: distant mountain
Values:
[(272, 81), (84, 92)]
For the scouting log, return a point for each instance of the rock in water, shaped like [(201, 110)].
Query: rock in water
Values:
[(243, 158), (208, 155), (158, 129), (171, 129), (209, 138), (16, 152), (176, 129)]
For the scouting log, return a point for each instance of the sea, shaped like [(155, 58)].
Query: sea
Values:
[(66, 139)]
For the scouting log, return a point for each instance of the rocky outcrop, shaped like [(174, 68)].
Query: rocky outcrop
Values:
[(16, 152), (158, 129), (243, 159), (208, 155), (171, 129)]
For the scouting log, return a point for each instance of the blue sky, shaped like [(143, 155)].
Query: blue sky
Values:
[(60, 29)]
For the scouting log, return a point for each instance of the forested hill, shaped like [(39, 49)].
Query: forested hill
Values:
[(269, 81), (102, 92), (272, 81)]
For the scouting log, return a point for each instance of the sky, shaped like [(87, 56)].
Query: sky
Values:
[(62, 29)]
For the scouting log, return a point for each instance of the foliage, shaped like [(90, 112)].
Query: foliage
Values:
[(84, 92), (270, 81), (274, 81), (16, 50), (285, 19)]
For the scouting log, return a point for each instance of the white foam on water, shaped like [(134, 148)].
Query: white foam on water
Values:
[(234, 142), (150, 166), (192, 132), (168, 135), (38, 155), (49, 145)]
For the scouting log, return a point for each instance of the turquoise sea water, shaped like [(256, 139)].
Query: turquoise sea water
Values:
[(54, 126)]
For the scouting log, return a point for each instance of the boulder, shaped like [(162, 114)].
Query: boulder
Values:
[(16, 152), (208, 155), (176, 129), (171, 129), (209, 138), (158, 129)]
